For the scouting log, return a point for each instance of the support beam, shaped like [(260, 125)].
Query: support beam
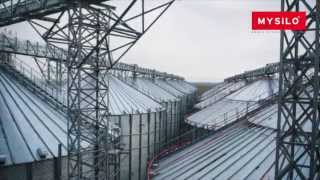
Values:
[(87, 94), (298, 138), (15, 11)]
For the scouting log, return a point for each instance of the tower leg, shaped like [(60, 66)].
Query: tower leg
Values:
[(298, 138)]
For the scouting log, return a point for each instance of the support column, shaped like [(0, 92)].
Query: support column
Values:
[(88, 122), (298, 138)]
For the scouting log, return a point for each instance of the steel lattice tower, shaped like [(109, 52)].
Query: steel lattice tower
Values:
[(298, 138), (97, 35)]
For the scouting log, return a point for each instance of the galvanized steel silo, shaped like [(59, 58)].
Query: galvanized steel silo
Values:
[(32, 128), (139, 118), (183, 97), (171, 121), (187, 89), (33, 135)]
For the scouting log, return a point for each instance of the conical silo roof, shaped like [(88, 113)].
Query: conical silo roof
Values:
[(166, 86), (229, 108), (151, 89), (126, 99), (27, 124), (29, 127), (256, 91), (182, 86)]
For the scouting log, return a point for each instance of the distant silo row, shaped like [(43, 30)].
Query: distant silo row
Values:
[(140, 121), (151, 132), (218, 92), (242, 119), (145, 114), (244, 149), (237, 100), (172, 117), (177, 96)]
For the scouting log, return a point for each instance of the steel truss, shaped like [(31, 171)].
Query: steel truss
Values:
[(97, 35), (268, 70), (55, 58), (298, 138)]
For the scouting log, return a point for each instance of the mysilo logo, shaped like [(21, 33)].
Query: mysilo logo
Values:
[(279, 21)]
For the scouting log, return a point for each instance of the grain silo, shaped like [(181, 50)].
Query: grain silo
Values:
[(140, 121), (183, 97), (186, 88), (171, 120), (218, 92), (235, 105), (137, 119), (239, 152), (141, 127), (33, 134)]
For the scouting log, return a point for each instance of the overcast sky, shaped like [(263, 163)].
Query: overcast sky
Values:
[(206, 40)]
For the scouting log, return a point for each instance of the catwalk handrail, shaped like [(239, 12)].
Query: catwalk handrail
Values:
[(11, 44), (245, 111), (31, 74), (220, 94), (226, 119), (269, 69)]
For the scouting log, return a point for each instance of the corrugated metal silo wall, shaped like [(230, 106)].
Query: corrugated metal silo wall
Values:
[(171, 121), (184, 106), (190, 101), (142, 136), (140, 139), (173, 118)]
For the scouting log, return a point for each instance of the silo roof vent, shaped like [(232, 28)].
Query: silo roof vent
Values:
[(42, 153), (3, 159)]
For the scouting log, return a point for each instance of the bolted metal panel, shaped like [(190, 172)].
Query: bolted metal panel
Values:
[(298, 155), (138, 140)]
